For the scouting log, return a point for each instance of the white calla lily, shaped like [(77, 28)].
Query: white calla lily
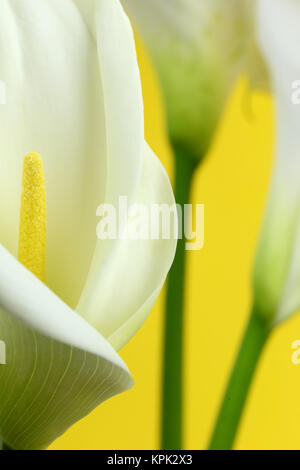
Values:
[(199, 49), (277, 270), (73, 94)]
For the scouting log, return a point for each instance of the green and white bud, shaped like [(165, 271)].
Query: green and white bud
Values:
[(277, 269), (199, 49)]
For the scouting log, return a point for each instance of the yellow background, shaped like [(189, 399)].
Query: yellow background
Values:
[(233, 184)]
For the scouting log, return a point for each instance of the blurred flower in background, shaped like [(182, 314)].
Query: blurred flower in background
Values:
[(277, 267), (199, 49), (277, 270)]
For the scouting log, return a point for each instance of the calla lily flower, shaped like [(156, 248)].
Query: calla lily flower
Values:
[(74, 95), (277, 271), (199, 49), (277, 267)]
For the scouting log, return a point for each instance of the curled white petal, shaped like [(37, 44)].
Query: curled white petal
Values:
[(120, 292), (52, 354)]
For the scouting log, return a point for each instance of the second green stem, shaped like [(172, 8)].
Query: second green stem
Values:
[(256, 335)]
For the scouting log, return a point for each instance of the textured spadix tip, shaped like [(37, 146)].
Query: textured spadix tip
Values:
[(33, 159), (32, 239)]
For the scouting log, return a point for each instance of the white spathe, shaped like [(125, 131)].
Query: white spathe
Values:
[(199, 47), (277, 270), (73, 95)]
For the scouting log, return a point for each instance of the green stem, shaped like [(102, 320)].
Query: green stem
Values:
[(255, 338), (173, 357)]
